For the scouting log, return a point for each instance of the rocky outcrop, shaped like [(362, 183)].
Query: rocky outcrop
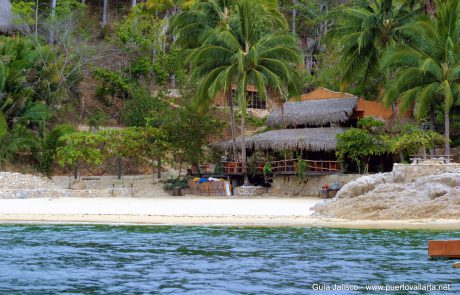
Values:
[(405, 193)]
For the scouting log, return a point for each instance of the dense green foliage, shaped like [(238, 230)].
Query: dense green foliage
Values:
[(427, 66), (153, 69), (371, 138), (358, 145)]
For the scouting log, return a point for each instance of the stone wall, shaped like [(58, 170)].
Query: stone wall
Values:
[(291, 186)]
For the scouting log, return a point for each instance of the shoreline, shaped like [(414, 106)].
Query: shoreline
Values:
[(268, 221), (260, 212)]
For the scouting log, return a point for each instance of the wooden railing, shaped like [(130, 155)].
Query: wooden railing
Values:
[(284, 167)]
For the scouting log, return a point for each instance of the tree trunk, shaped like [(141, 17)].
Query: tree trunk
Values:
[(429, 7), (401, 157), (393, 114), (243, 124), (432, 126), (120, 168), (75, 171), (105, 14), (243, 148), (36, 20), (294, 14), (159, 168), (51, 31), (232, 125), (173, 81), (133, 3), (447, 132)]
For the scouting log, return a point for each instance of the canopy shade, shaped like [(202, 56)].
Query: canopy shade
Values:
[(310, 139), (312, 113)]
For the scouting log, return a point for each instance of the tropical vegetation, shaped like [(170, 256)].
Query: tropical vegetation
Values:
[(97, 82)]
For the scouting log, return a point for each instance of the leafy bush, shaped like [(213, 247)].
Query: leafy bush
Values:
[(171, 183), (371, 124), (410, 140), (113, 83), (143, 106), (359, 145)]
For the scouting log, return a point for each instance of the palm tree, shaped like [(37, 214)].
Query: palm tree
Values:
[(201, 23), (427, 66), (20, 139), (365, 31), (192, 27), (256, 49)]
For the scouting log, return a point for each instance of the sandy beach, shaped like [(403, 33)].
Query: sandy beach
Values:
[(193, 211)]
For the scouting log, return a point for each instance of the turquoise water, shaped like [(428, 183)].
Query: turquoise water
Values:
[(102, 259)]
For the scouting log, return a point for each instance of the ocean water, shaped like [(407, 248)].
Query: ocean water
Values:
[(103, 259)]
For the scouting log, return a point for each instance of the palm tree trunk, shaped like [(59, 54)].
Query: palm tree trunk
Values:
[(232, 125), (243, 148), (432, 125), (447, 132), (393, 114), (429, 7), (243, 128)]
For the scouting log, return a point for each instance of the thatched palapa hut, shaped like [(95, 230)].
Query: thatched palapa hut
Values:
[(325, 112), (8, 23), (308, 139)]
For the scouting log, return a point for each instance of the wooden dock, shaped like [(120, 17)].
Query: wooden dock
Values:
[(448, 249)]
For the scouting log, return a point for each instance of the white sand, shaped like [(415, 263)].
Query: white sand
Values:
[(190, 211)]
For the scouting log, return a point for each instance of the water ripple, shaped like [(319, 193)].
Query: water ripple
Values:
[(96, 259)]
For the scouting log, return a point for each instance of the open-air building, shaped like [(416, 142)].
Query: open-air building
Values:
[(303, 135)]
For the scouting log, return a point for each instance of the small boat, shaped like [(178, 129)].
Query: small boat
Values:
[(448, 249)]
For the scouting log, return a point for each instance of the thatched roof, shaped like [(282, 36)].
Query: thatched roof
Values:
[(312, 112), (7, 22), (310, 139)]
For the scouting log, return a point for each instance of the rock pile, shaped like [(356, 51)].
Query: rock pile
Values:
[(400, 194)]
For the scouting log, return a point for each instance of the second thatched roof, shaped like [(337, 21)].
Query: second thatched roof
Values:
[(310, 139), (312, 113), (7, 20)]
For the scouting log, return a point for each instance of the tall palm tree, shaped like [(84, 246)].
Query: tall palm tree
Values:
[(365, 31), (256, 49), (192, 27), (427, 66), (203, 22)]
